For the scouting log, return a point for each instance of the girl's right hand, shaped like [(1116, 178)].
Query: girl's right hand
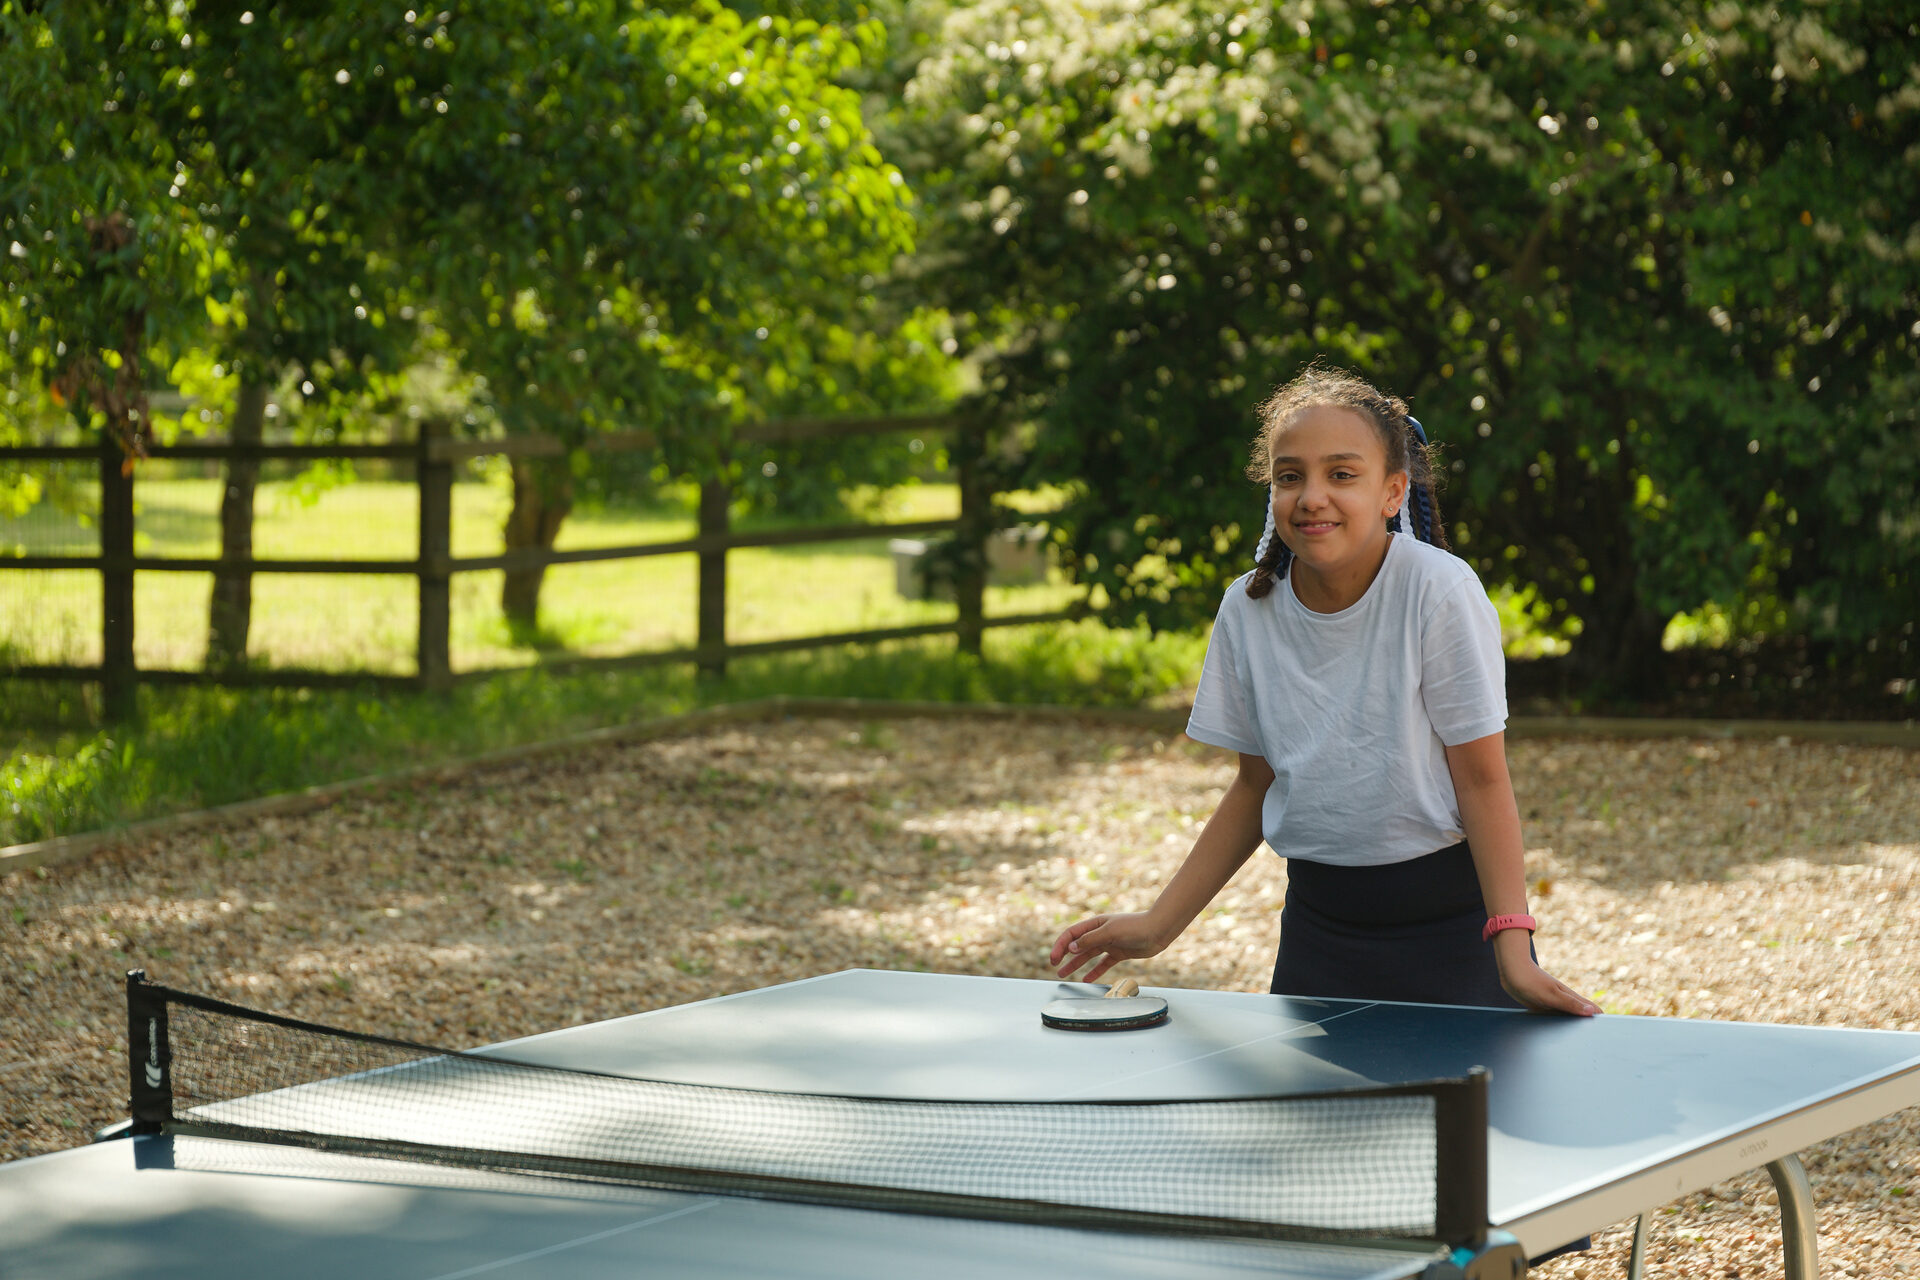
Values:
[(1108, 939), (1531, 985)]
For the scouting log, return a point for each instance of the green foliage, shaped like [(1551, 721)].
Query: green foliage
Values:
[(95, 261), (659, 216), (605, 214), (1642, 266)]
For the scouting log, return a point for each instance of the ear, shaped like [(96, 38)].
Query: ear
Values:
[(1396, 492)]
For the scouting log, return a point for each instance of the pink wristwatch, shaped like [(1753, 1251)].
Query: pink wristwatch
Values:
[(1497, 924)]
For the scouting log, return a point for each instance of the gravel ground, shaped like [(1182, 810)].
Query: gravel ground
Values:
[(1761, 881)]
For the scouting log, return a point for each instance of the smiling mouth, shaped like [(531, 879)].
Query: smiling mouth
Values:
[(1316, 526)]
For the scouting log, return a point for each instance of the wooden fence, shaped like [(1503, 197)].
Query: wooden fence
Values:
[(434, 458)]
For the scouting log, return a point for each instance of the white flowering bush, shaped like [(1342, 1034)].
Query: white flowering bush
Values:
[(1647, 269)]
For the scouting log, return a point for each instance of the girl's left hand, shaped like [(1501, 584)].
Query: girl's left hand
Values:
[(1533, 986)]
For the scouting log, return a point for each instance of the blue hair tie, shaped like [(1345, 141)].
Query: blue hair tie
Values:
[(1421, 519)]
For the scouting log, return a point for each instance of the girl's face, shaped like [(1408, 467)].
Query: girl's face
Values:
[(1332, 492)]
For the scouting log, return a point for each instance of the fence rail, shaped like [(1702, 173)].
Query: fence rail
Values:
[(434, 457)]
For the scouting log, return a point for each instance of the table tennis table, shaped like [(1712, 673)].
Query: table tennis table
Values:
[(1592, 1121)]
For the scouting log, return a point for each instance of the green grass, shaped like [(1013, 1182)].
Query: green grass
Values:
[(63, 772)]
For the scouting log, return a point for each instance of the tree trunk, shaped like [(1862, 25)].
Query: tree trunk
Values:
[(1617, 653), (1618, 650), (542, 497), (230, 613)]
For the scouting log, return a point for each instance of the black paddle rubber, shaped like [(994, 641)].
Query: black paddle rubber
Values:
[(1104, 1013)]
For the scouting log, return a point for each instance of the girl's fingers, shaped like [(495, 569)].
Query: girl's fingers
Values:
[(1076, 955), (1101, 941), (1566, 999), (1074, 962), (1069, 939), (1540, 991), (1558, 997), (1090, 948)]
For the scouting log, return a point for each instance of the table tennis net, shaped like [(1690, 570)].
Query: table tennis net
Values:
[(1356, 1164)]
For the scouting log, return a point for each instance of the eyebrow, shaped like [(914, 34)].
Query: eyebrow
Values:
[(1332, 457)]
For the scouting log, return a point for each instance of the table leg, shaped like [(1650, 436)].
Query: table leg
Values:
[(1799, 1228), (1637, 1259)]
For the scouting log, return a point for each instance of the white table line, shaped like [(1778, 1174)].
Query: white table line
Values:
[(497, 1263)]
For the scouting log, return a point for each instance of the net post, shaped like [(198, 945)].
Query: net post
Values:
[(1460, 1152), (149, 1058)]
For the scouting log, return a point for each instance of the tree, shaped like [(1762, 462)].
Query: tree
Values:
[(1794, 131), (670, 213), (1534, 225), (606, 213), (1662, 277), (96, 262)]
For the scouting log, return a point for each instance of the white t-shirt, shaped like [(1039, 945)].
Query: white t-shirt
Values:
[(1354, 710)]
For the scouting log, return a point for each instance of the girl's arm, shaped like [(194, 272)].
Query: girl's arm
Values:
[(1492, 819), (1226, 842)]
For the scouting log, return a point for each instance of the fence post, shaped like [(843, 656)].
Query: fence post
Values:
[(715, 497), (435, 477), (976, 518), (118, 676)]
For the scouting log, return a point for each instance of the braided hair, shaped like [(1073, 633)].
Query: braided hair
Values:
[(1407, 450)]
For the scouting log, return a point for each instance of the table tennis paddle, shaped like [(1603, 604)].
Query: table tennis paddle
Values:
[(1123, 1008)]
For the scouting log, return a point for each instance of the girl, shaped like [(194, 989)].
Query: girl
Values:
[(1358, 672)]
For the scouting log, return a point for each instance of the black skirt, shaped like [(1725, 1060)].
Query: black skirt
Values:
[(1405, 931)]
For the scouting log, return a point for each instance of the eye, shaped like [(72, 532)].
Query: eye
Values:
[(1341, 473), (1287, 477)]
